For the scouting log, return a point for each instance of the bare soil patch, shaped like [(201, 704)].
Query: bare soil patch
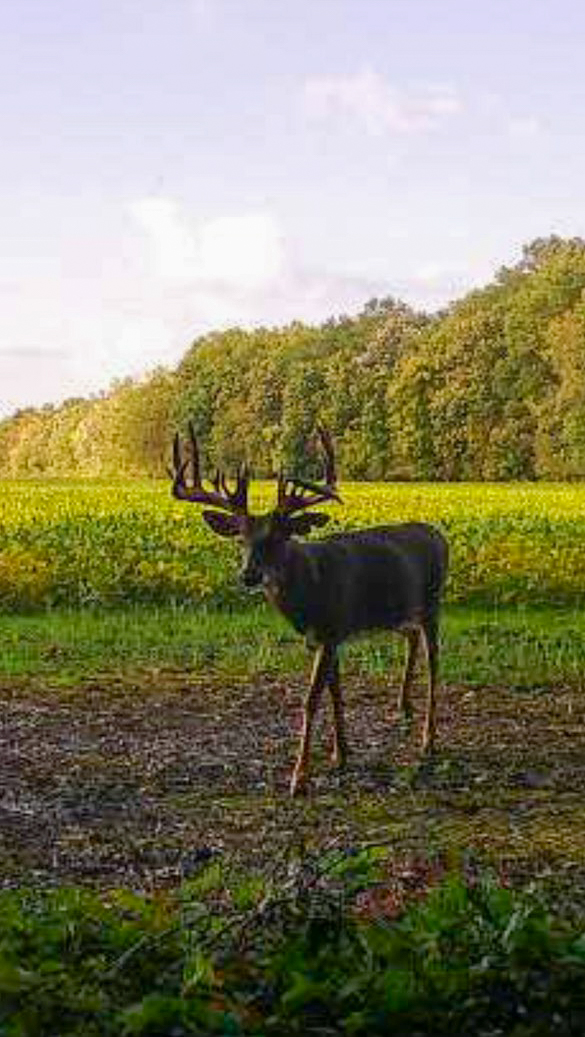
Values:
[(135, 779)]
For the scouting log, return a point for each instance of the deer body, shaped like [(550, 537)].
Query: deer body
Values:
[(382, 578), (385, 578)]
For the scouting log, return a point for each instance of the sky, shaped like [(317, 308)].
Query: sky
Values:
[(169, 168)]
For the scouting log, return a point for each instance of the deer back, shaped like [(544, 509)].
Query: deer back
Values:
[(380, 578)]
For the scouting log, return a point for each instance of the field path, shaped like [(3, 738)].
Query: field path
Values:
[(134, 779)]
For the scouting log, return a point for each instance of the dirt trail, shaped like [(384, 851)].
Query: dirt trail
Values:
[(133, 779)]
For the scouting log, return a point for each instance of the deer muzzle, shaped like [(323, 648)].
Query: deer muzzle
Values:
[(251, 575)]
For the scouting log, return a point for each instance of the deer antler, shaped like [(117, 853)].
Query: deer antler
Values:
[(233, 500), (298, 494)]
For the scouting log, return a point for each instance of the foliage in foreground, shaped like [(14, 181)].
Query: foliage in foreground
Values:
[(336, 944), (105, 544)]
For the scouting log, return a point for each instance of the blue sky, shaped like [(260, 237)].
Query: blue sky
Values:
[(172, 167)]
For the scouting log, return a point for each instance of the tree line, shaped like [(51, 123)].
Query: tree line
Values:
[(491, 387)]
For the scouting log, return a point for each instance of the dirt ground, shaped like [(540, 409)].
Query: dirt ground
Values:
[(132, 780)]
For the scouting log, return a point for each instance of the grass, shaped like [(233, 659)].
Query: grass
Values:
[(512, 646)]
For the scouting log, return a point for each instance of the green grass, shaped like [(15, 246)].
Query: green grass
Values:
[(498, 646)]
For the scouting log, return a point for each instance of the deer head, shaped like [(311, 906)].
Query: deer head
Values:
[(263, 536)]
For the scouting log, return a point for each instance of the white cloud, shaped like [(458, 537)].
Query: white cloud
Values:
[(370, 100), (434, 284), (172, 243), (234, 267), (244, 251), (381, 108), (239, 252), (430, 273)]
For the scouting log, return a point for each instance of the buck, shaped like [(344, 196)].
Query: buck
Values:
[(381, 578)]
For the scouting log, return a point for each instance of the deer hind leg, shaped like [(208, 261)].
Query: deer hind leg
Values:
[(319, 677), (430, 634), (339, 753), (403, 703)]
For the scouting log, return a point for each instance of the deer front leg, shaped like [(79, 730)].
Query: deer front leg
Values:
[(319, 676), (432, 647), (403, 703), (339, 754)]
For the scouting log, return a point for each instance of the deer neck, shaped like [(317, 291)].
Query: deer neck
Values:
[(291, 587)]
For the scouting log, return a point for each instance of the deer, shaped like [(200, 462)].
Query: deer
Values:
[(332, 588)]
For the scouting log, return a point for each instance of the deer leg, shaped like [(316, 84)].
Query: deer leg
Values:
[(403, 703), (430, 633), (339, 753), (319, 676)]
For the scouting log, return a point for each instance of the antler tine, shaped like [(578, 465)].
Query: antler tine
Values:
[(280, 489), (221, 496), (195, 466), (296, 499), (176, 452), (243, 481), (325, 437), (177, 473)]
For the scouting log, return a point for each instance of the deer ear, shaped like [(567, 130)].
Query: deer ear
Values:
[(223, 525), (300, 525)]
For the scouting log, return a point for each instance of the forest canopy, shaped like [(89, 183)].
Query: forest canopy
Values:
[(492, 387)]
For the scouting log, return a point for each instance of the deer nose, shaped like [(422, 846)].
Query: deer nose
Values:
[(251, 576)]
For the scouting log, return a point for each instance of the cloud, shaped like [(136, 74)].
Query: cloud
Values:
[(434, 284), (241, 270), (370, 100), (431, 273), (172, 244), (242, 252), (237, 267)]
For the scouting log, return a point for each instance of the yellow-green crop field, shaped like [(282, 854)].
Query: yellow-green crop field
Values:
[(75, 544)]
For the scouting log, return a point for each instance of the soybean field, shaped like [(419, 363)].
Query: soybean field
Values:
[(73, 545)]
